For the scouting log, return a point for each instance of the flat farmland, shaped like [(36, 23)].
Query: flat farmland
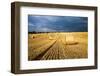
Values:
[(59, 45)]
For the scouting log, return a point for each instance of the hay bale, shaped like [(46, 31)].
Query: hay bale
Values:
[(71, 43), (33, 37)]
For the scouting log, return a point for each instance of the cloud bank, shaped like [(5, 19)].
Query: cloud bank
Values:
[(57, 23)]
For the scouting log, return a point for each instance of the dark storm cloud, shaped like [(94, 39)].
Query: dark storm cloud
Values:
[(57, 23)]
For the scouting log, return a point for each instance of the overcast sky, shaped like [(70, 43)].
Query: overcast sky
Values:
[(57, 23)]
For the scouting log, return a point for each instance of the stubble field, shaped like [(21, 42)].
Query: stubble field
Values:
[(59, 45)]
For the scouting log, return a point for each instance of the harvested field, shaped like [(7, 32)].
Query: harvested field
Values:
[(59, 45)]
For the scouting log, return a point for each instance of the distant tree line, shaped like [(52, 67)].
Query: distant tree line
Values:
[(34, 32)]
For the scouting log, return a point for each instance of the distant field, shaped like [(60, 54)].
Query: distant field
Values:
[(52, 46)]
